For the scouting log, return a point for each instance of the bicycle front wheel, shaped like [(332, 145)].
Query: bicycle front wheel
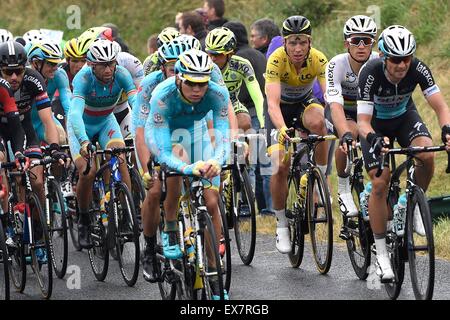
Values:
[(4, 282), (420, 246), (295, 214), (320, 220), (127, 234), (226, 256), (244, 214), (57, 228)]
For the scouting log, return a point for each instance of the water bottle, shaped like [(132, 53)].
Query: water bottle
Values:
[(19, 210), (103, 213), (364, 201), (303, 184), (190, 245), (400, 215)]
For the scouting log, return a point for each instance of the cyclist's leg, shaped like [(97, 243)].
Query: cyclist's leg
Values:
[(122, 113)]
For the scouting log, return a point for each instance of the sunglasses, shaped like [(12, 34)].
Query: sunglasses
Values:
[(195, 84), (103, 65), (356, 41), (11, 71), (398, 60)]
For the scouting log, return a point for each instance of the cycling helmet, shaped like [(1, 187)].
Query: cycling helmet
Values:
[(396, 41), (360, 24), (12, 54), (72, 50), (102, 51), (220, 41), (167, 35), (169, 52), (296, 25), (33, 36), (191, 41), (45, 50), (5, 35), (194, 65), (117, 47), (86, 39)]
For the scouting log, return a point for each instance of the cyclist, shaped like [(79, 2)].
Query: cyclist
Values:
[(31, 96), (44, 57), (341, 95), (165, 36), (168, 55), (290, 73), (386, 111), (32, 36), (175, 105), (96, 88), (220, 44), (75, 59)]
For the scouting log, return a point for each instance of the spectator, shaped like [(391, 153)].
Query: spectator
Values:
[(116, 37), (202, 12), (192, 23), (215, 9), (258, 61), (262, 32), (151, 44), (177, 20)]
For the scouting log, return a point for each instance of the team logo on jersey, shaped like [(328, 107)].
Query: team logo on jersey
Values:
[(332, 92), (350, 77), (224, 112), (157, 118), (111, 133)]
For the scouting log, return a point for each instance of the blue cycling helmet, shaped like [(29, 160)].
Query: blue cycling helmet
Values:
[(170, 51), (45, 50)]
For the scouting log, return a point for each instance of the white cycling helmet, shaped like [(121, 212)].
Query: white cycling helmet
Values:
[(191, 41), (33, 36), (360, 24), (102, 51), (5, 35), (117, 47), (194, 65), (397, 41)]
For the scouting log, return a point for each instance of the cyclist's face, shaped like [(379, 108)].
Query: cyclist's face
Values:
[(193, 92), (297, 47), (46, 68), (168, 69), (14, 76), (359, 46), (75, 65), (219, 59), (398, 67), (105, 71)]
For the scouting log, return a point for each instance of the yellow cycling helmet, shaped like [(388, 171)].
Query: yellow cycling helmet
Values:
[(71, 50), (166, 35), (220, 41), (90, 35)]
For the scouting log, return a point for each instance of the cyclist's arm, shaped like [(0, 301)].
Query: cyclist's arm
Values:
[(323, 62), (65, 95), (254, 90), (139, 118), (222, 136), (51, 133), (437, 102), (12, 113), (75, 118), (273, 94), (142, 150)]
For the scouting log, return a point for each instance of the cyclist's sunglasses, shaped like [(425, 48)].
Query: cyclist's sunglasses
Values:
[(195, 84), (356, 41), (103, 65), (398, 60), (11, 71)]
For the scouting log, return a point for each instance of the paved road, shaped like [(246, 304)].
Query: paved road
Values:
[(269, 277)]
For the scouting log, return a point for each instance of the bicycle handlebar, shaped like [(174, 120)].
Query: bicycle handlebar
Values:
[(312, 138)]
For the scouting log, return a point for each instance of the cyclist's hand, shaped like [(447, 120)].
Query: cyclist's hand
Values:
[(197, 168), (445, 135), (379, 145), (148, 180), (283, 135), (211, 169), (345, 140), (86, 149), (22, 162), (57, 154)]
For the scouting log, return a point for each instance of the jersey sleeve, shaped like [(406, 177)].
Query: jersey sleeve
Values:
[(38, 89), (216, 76), (9, 106), (254, 90), (366, 90), (7, 100), (62, 83), (221, 126), (272, 74), (333, 74), (426, 80), (75, 116), (141, 112), (322, 62)]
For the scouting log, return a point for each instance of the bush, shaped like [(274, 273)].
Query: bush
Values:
[(315, 11)]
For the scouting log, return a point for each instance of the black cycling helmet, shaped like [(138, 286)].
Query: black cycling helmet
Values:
[(12, 54), (296, 25)]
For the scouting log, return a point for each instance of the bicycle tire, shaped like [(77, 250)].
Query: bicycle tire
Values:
[(43, 271), (138, 193), (295, 214), (244, 222), (99, 253), (167, 287), (208, 235), (5, 286), (226, 236), (323, 263), (58, 232), (126, 231), (398, 266), (415, 245), (358, 246), (72, 213)]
